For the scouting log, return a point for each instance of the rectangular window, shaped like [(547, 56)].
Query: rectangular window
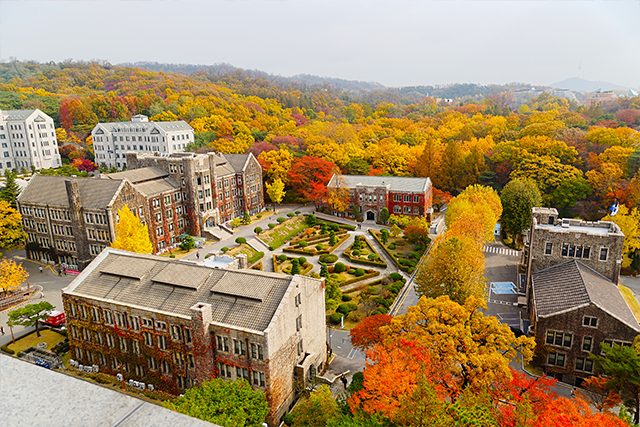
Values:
[(407, 198), (584, 364), (223, 343), (299, 323), (165, 367), (604, 252), (548, 248), (565, 250), (555, 359), (300, 348), (162, 342), (148, 339), (187, 336), (591, 322), (176, 334), (572, 251), (298, 300), (587, 343), (416, 199), (586, 253), (560, 339), (239, 348)]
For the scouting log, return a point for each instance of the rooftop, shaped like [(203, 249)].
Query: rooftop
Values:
[(145, 126), (572, 285), (395, 183), (237, 161), (40, 397), (139, 175), (244, 299), (95, 193), (11, 115)]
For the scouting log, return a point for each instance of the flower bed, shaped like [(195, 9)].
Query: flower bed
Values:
[(285, 266), (361, 256), (313, 251), (400, 251), (279, 234)]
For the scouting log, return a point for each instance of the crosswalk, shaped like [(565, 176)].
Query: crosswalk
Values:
[(501, 251)]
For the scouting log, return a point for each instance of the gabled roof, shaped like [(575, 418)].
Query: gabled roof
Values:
[(95, 193), (237, 161), (395, 183), (572, 285), (18, 115), (241, 298), (180, 125), (150, 188)]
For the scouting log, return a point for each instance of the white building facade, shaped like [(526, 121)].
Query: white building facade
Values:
[(27, 138), (111, 141)]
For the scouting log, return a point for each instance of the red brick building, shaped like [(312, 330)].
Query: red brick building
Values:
[(400, 195)]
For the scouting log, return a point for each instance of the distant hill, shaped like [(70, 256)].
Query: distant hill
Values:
[(581, 85), (219, 70)]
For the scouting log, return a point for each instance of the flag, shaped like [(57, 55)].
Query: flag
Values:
[(614, 208)]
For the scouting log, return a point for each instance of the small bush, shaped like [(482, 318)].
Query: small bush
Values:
[(241, 240), (334, 227), (329, 258), (282, 258), (207, 256), (291, 214), (303, 244), (258, 230), (392, 247), (346, 297), (355, 253), (352, 271), (339, 267), (346, 308), (359, 272), (302, 260), (288, 418), (297, 212), (271, 225), (172, 256), (382, 310), (311, 220), (396, 276), (373, 257), (281, 220), (259, 216), (224, 249), (319, 247), (335, 318)]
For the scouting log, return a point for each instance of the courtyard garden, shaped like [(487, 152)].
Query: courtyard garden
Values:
[(243, 247), (47, 337), (282, 231), (362, 252), (367, 300), (291, 265), (319, 237), (400, 248)]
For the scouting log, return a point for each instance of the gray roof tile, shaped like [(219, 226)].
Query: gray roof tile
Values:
[(237, 161), (241, 298), (570, 285), (395, 183), (51, 190), (139, 175)]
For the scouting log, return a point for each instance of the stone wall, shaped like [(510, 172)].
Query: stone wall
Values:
[(608, 328)]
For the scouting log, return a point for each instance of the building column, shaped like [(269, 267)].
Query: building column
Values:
[(201, 317), (77, 223)]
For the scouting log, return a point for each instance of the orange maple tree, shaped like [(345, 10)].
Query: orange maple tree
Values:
[(367, 333)]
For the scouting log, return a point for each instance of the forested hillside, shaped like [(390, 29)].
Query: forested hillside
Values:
[(581, 159)]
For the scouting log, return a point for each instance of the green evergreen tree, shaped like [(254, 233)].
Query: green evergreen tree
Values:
[(295, 266), (324, 271), (332, 238), (10, 191)]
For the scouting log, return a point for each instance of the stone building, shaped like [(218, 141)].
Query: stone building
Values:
[(111, 141), (552, 240), (27, 139), (400, 195), (572, 269), (173, 324), (218, 187), (574, 310)]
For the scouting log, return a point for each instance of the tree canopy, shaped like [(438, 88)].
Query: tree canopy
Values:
[(131, 234)]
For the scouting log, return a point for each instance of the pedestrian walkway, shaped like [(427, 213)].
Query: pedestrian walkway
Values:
[(501, 251)]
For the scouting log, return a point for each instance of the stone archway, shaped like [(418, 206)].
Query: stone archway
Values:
[(371, 216)]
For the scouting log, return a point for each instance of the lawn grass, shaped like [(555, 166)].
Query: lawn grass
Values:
[(50, 337), (242, 249), (179, 253), (277, 236), (631, 300)]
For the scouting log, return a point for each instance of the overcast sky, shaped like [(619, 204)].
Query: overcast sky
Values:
[(394, 42)]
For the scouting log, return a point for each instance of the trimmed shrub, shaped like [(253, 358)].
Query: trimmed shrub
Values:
[(355, 253), (224, 249), (396, 276), (319, 247), (352, 271), (302, 260), (288, 418), (295, 266), (311, 220), (282, 258), (297, 212), (258, 230), (271, 225), (291, 214), (334, 227), (281, 220), (328, 258), (303, 244), (207, 256), (172, 256), (241, 240), (392, 247), (259, 216), (373, 257), (339, 267), (359, 272), (346, 298), (346, 308), (335, 318), (382, 310), (255, 257)]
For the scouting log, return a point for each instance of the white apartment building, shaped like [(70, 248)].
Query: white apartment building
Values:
[(111, 141), (27, 138)]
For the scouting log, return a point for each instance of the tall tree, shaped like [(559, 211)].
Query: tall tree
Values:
[(518, 197), (367, 333), (309, 177), (275, 191), (622, 366), (452, 169), (227, 403), (30, 315), (11, 234), (131, 234), (339, 196), (455, 267), (317, 410), (10, 191), (12, 275)]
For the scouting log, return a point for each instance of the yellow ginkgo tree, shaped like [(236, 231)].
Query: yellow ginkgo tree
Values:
[(131, 234)]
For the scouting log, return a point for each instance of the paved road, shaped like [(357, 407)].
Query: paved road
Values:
[(50, 282)]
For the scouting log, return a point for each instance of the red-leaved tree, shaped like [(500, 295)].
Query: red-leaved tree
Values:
[(367, 333), (309, 177)]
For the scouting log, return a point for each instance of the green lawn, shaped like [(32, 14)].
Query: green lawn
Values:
[(242, 249), (277, 236), (631, 300)]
